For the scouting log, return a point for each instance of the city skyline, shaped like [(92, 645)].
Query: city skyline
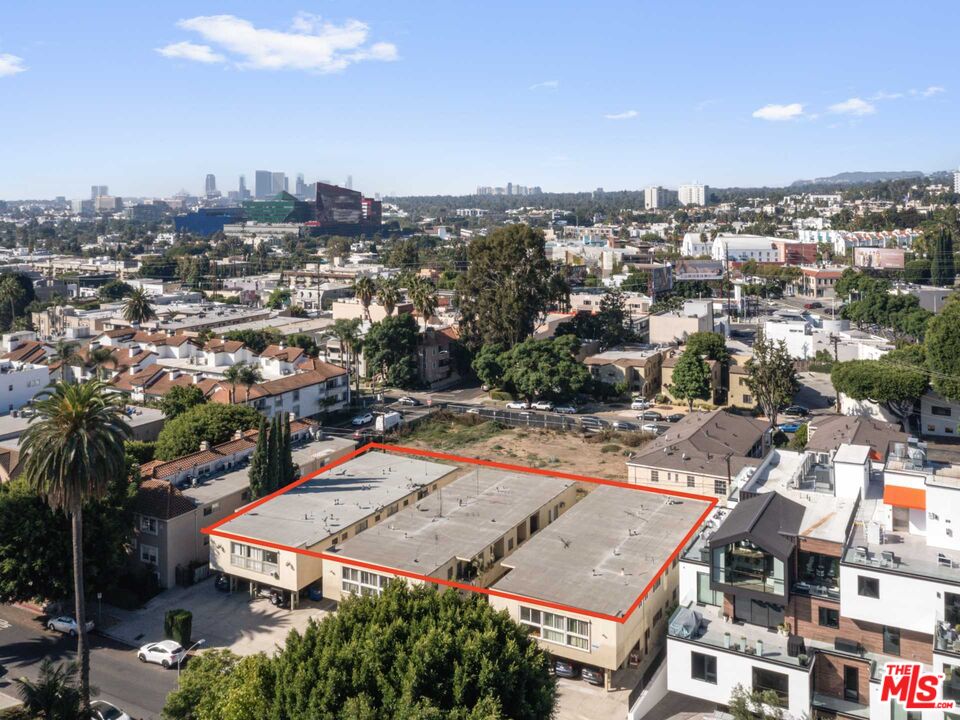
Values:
[(374, 102)]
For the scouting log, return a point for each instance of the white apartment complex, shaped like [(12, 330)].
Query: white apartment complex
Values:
[(693, 194)]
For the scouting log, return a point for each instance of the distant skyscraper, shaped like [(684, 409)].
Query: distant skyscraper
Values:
[(300, 188), (349, 182), (262, 183), (693, 194), (278, 183), (98, 191), (242, 191), (210, 185)]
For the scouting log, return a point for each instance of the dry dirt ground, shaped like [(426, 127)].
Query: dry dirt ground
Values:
[(601, 455)]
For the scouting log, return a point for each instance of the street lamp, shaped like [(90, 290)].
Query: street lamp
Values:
[(199, 642)]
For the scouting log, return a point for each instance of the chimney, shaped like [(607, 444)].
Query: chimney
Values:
[(204, 445), (238, 435), (283, 345), (133, 349)]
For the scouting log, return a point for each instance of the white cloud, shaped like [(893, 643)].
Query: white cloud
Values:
[(546, 85), (190, 51), (853, 106), (932, 90), (11, 64), (622, 115), (886, 96), (311, 44), (776, 113)]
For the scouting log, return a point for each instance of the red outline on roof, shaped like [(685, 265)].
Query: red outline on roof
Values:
[(711, 504)]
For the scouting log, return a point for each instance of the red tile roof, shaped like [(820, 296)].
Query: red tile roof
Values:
[(160, 499)]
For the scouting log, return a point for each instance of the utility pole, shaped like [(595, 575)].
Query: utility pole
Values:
[(835, 339)]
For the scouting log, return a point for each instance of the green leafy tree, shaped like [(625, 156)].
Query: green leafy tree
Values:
[(179, 399), (754, 704), (943, 349), (390, 349), (137, 308), (917, 271), (544, 369), (347, 332), (255, 340), (305, 342), (213, 422), (16, 293), (54, 695), (896, 381), (506, 287), (486, 365), (258, 463), (799, 440), (278, 298), (273, 457), (771, 376), (409, 653), (114, 290), (612, 319), (691, 378), (711, 345), (72, 448)]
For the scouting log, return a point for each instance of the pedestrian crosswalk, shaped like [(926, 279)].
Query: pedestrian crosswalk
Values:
[(4, 624)]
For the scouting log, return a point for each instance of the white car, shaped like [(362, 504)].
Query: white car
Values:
[(640, 404), (167, 653), (362, 419), (565, 410), (67, 625), (518, 405), (542, 405), (101, 710), (652, 428)]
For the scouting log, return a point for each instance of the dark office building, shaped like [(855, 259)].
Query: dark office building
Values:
[(148, 212), (284, 208), (341, 211), (207, 221)]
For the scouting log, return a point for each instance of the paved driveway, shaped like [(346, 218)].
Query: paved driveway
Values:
[(223, 620)]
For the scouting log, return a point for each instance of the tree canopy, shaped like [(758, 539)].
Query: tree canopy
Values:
[(691, 378), (213, 422), (181, 398), (943, 349), (711, 345), (771, 376), (409, 653), (544, 369), (390, 349), (895, 381)]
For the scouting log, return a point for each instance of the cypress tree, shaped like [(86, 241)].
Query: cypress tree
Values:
[(273, 457), (942, 270), (288, 475), (258, 463)]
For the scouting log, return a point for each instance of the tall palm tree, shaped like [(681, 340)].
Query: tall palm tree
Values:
[(365, 290), (137, 308), (98, 358), (232, 376), (248, 376), (11, 291), (347, 332), (73, 448), (65, 351), (423, 295), (388, 294), (54, 694)]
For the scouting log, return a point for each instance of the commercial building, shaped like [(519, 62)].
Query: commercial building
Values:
[(207, 221), (344, 211), (696, 244), (818, 282), (729, 248), (282, 208)]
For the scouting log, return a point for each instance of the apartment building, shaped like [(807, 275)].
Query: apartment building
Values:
[(638, 368), (670, 327), (820, 572), (693, 195), (666, 378), (703, 454), (657, 198), (739, 394)]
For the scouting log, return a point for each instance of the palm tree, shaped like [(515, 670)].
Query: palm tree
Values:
[(388, 294), (54, 694), (348, 333), (137, 308), (73, 448), (423, 295), (365, 289), (97, 358), (65, 351), (248, 376), (11, 291)]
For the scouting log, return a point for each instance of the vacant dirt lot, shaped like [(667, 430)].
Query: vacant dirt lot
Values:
[(601, 455)]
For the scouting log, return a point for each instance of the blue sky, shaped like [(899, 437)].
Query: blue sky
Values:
[(427, 97)]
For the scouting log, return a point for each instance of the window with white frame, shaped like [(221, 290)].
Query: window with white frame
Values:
[(556, 628), (253, 558), (148, 525), (361, 582), (148, 554)]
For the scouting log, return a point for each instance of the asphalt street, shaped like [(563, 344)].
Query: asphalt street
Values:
[(139, 689)]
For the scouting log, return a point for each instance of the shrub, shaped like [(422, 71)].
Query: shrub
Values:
[(610, 448), (662, 399), (501, 395), (140, 450), (177, 625)]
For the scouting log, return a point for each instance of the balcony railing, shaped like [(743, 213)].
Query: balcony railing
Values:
[(257, 566), (946, 639)]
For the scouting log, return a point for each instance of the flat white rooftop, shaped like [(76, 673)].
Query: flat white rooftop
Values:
[(460, 520), (336, 499), (602, 553)]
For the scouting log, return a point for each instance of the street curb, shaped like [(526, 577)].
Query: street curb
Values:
[(29, 607)]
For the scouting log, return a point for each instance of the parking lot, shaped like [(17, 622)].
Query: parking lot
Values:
[(224, 620)]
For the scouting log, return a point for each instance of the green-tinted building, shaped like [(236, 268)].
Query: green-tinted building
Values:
[(284, 208)]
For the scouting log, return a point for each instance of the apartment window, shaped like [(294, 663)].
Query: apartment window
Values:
[(654, 476), (148, 554), (361, 582), (706, 596), (719, 487), (148, 525), (938, 410), (891, 640), (747, 399), (868, 586), (556, 628), (828, 617), (779, 683), (691, 481), (253, 558), (361, 526), (703, 667), (657, 617)]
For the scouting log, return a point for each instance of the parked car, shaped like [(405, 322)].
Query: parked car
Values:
[(790, 427), (362, 419), (544, 405), (651, 428), (640, 404), (650, 415), (167, 653), (518, 405), (222, 583), (411, 401), (592, 675), (565, 409), (812, 305), (625, 425), (67, 625), (675, 417), (795, 411), (564, 669), (589, 422), (102, 710)]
